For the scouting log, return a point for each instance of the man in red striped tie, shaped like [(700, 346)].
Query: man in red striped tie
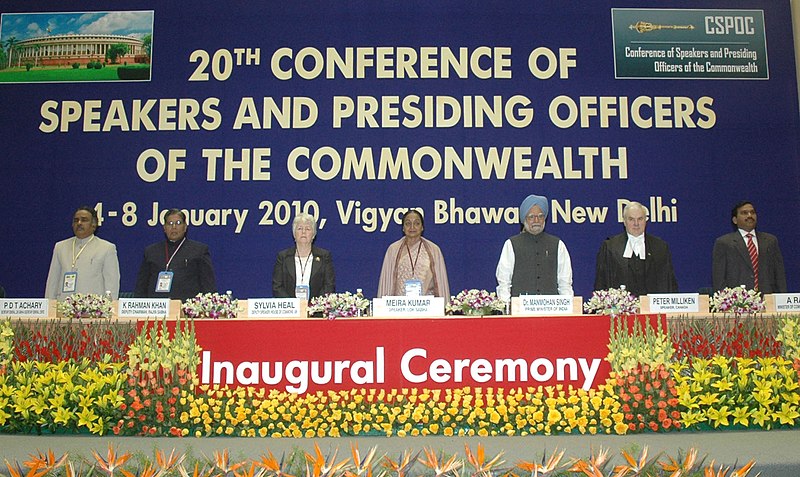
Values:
[(746, 257)]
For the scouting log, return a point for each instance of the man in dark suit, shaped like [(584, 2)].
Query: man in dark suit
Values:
[(177, 267), (313, 265), (640, 261), (736, 262)]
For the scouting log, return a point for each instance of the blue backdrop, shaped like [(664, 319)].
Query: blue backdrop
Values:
[(740, 141)]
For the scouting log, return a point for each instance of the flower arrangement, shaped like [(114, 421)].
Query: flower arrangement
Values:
[(339, 305), (215, 410), (636, 341), (737, 300), (649, 398), (6, 344), (315, 463), (210, 305), (85, 305), (743, 392), (52, 341), (613, 302), (475, 302), (748, 336)]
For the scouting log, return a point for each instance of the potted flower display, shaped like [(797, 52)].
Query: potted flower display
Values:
[(475, 302), (85, 305), (613, 302), (210, 305), (339, 305), (737, 300)]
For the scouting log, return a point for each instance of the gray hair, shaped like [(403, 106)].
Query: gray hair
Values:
[(304, 218), (631, 206)]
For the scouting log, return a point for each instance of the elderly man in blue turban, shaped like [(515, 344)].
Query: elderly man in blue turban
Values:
[(534, 262)]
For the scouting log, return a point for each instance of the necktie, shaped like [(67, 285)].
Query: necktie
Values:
[(751, 248)]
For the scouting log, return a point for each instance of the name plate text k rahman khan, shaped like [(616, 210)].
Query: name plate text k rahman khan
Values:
[(143, 307)]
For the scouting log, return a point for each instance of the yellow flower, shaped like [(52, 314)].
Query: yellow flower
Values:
[(741, 416), (719, 416), (787, 415)]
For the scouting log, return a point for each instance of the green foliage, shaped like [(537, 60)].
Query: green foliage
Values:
[(789, 336), (154, 350), (133, 72), (6, 343), (76, 65), (28, 66), (635, 342), (115, 51)]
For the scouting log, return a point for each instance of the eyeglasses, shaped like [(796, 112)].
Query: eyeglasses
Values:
[(174, 223), (535, 217)]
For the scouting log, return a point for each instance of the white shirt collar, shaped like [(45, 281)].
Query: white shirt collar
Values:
[(634, 246)]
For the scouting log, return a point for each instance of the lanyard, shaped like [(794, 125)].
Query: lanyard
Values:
[(414, 261), (75, 257), (302, 265), (166, 252)]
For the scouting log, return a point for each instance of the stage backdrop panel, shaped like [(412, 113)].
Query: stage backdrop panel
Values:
[(246, 113)]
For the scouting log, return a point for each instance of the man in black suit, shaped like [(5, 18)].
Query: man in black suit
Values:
[(177, 267), (733, 261), (642, 262)]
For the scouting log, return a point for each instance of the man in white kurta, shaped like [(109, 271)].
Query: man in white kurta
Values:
[(84, 263)]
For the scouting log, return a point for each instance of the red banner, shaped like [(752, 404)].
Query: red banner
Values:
[(309, 355)]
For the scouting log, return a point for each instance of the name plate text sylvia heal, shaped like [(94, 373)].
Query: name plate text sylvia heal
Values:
[(674, 302), (401, 306), (33, 307), (787, 301), (143, 307), (273, 307), (543, 305)]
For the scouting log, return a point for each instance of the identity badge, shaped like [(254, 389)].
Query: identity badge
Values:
[(301, 292), (70, 282), (164, 283), (413, 287)]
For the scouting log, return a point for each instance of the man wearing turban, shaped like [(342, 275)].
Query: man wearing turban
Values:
[(534, 262)]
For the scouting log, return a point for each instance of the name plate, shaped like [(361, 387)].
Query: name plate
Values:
[(787, 301), (398, 306), (528, 305), (674, 302), (272, 307), (33, 307), (142, 307)]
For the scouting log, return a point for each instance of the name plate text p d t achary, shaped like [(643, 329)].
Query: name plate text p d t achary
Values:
[(32, 307)]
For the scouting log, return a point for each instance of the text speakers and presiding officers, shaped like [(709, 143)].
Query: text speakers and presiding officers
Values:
[(534, 262), (638, 260), (413, 265), (177, 267), (84, 263), (303, 271)]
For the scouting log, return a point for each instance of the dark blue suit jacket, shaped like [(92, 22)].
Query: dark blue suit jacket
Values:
[(731, 266)]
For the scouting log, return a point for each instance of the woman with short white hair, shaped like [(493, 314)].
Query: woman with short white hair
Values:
[(303, 271)]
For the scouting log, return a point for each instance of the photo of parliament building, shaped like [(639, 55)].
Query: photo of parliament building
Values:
[(62, 50)]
